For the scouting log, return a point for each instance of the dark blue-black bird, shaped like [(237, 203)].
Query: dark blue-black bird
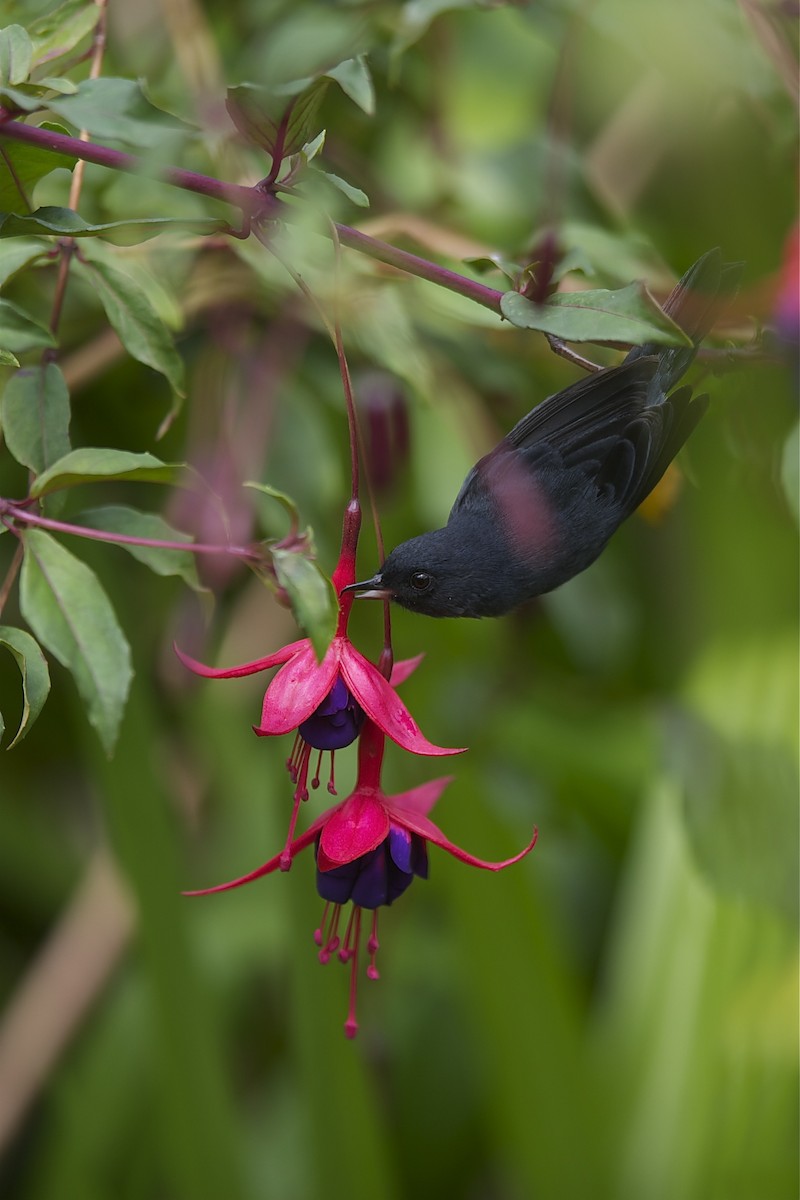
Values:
[(542, 505)]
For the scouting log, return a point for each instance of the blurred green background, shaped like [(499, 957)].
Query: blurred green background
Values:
[(616, 1016)]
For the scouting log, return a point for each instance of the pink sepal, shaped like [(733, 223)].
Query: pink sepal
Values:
[(298, 688), (267, 868), (422, 825), (258, 664), (356, 827)]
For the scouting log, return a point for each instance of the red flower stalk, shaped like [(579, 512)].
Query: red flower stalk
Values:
[(368, 849)]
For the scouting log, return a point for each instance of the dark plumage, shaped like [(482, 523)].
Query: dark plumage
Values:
[(541, 506)]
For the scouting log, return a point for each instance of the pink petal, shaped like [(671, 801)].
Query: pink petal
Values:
[(297, 690), (382, 704), (356, 827), (401, 670), (267, 868), (419, 800), (417, 823), (258, 664)]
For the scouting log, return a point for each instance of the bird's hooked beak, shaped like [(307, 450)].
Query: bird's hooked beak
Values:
[(369, 589)]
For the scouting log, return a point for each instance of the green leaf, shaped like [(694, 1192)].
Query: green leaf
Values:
[(57, 84), (66, 607), (313, 148), (115, 109), (285, 501), (63, 222), (485, 264), (118, 518), (310, 594), (628, 315), (19, 331), (141, 330), (7, 359), (16, 254), (354, 194), (58, 32), (354, 79), (21, 168), (35, 676), (91, 465), (35, 415), (16, 53), (274, 119)]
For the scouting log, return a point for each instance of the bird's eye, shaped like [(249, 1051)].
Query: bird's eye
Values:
[(421, 581)]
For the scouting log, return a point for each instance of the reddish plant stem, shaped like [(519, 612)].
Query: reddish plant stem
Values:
[(254, 202), (13, 513), (11, 575), (67, 245)]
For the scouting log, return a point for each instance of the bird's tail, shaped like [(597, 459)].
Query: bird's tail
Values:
[(695, 303)]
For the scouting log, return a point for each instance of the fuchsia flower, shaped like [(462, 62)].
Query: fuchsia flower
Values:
[(368, 850), (327, 702)]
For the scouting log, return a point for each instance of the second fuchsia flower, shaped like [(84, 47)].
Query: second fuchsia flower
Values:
[(368, 849)]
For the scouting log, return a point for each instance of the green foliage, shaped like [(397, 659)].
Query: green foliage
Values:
[(35, 677), (616, 1016), (66, 607)]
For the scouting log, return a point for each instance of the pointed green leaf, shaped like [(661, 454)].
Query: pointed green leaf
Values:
[(35, 676), (141, 330), (35, 415), (63, 222), (118, 518), (355, 81), (22, 166), (92, 465), (354, 194), (7, 359), (66, 607), (310, 594), (313, 148), (16, 53), (59, 31), (19, 331), (629, 315)]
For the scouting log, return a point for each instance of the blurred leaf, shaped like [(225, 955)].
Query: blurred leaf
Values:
[(354, 194), (7, 359), (141, 331), (116, 109), (35, 416), (742, 851), (790, 471), (16, 254), (19, 331), (313, 148), (16, 52), (58, 32), (66, 607), (484, 265), (285, 501), (629, 315), (117, 518), (64, 222), (416, 16), (311, 596), (91, 464), (57, 84), (274, 119), (354, 79), (35, 676)]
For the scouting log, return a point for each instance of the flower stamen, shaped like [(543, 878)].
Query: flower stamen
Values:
[(351, 1024), (373, 946), (328, 939)]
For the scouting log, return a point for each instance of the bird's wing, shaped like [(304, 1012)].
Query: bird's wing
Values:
[(598, 405)]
